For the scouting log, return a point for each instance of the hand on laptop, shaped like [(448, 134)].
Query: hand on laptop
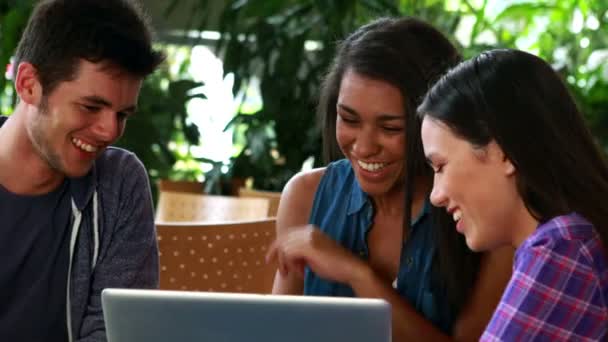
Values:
[(308, 246)]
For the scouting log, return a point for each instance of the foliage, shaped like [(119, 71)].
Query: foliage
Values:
[(271, 40), (160, 134), (13, 18), (288, 45), (570, 34)]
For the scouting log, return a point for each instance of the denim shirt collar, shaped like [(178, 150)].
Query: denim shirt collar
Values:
[(359, 199), (426, 209)]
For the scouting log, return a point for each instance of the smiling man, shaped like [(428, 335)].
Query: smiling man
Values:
[(76, 213)]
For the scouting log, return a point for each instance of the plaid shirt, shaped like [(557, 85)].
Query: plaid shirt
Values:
[(559, 287)]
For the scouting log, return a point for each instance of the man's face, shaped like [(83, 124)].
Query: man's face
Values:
[(80, 118)]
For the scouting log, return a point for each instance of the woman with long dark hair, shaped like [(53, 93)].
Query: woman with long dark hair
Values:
[(515, 165), (371, 231)]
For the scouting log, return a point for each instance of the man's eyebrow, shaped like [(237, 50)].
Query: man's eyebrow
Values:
[(98, 100), (382, 117)]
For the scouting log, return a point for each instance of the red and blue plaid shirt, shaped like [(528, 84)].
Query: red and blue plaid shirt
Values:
[(559, 287)]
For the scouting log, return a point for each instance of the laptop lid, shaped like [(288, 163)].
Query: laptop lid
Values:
[(159, 316)]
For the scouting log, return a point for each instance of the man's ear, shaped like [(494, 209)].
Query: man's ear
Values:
[(27, 84)]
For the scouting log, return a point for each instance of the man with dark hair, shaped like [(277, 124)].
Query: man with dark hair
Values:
[(76, 214)]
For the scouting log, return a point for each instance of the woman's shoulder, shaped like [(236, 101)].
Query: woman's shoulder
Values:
[(565, 233), (303, 191), (297, 198), (305, 181), (567, 242), (309, 180)]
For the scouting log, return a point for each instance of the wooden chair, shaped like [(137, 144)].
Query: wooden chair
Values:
[(179, 206), (222, 257), (180, 186), (273, 198)]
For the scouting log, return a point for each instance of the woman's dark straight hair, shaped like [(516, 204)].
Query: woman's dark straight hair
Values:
[(410, 55), (519, 101)]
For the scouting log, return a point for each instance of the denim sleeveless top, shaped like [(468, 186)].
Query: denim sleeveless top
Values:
[(343, 211)]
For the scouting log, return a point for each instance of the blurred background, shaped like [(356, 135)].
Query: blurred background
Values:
[(235, 103)]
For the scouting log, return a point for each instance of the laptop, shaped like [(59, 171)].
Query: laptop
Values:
[(163, 316)]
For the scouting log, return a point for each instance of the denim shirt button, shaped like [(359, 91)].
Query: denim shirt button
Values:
[(409, 261)]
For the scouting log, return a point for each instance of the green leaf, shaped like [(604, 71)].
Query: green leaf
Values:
[(523, 11)]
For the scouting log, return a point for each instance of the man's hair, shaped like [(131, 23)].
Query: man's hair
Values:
[(61, 32)]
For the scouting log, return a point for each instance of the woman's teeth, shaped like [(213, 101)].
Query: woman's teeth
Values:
[(370, 166), (456, 215), (84, 146)]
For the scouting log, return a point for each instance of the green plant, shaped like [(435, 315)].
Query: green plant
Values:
[(570, 34), (13, 18), (160, 131), (288, 46)]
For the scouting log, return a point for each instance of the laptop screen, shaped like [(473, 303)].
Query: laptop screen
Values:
[(155, 316)]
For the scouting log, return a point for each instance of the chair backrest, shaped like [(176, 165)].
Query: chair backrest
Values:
[(222, 257), (180, 186), (272, 196), (176, 206)]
